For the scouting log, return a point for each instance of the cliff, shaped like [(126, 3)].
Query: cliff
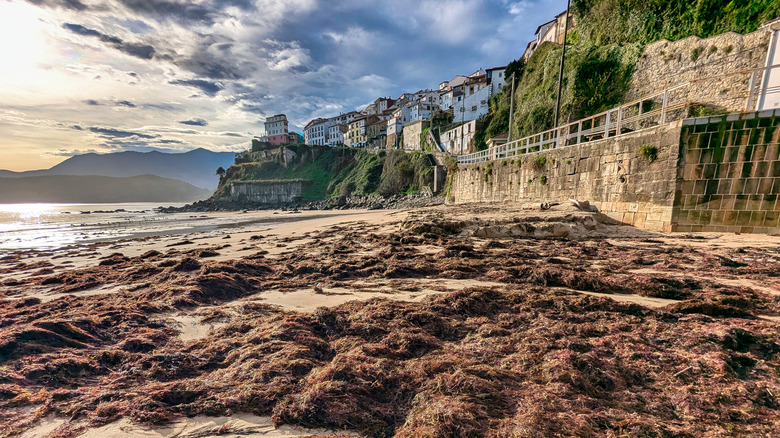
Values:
[(331, 172)]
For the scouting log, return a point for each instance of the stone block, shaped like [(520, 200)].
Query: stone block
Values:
[(757, 218), (764, 186), (754, 202), (743, 218), (772, 219), (724, 186), (737, 186)]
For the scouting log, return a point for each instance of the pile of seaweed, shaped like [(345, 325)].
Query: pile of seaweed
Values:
[(522, 361), (532, 357)]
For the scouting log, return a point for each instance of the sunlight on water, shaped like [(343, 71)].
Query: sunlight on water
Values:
[(51, 226)]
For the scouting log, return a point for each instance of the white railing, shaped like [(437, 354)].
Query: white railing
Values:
[(764, 86), (666, 106)]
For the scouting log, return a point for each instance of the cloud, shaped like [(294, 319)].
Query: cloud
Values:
[(207, 87), (76, 5), (195, 122), (117, 133), (143, 51), (235, 62)]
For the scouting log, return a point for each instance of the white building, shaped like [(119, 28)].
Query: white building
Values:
[(345, 118), (316, 132), (394, 129), (496, 79), (421, 110), (336, 135), (474, 101), (458, 139)]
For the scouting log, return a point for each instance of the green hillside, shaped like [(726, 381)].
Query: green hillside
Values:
[(603, 50), (337, 171)]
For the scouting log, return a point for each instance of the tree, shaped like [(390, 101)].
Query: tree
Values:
[(221, 172)]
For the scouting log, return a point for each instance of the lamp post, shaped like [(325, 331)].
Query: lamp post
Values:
[(511, 108), (563, 58)]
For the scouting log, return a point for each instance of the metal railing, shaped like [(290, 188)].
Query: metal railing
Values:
[(657, 109), (664, 107), (764, 84)]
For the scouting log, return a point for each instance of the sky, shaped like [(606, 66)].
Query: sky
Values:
[(79, 76)]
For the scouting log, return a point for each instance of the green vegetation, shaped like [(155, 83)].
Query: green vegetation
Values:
[(538, 162), (601, 55), (404, 173), (650, 152), (337, 171), (543, 180)]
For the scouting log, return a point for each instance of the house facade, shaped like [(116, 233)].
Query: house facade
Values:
[(553, 31), (357, 134), (316, 132), (376, 134), (496, 79), (460, 140), (276, 130), (336, 135), (394, 129)]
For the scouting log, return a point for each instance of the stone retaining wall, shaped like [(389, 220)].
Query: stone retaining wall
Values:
[(267, 192), (612, 174), (411, 136), (710, 174), (725, 60), (729, 174)]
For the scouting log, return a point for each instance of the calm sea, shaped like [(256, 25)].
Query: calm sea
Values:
[(52, 226)]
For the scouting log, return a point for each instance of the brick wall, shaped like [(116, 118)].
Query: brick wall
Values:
[(729, 174), (612, 174)]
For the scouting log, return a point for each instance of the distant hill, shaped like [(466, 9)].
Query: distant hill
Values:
[(97, 189), (196, 167)]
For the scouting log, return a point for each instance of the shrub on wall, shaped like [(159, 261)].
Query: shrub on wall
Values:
[(650, 152)]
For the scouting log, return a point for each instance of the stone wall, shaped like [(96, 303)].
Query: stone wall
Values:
[(717, 174), (612, 174), (411, 136), (267, 192), (719, 68), (391, 139), (729, 174)]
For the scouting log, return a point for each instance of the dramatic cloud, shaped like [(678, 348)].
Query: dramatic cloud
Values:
[(207, 87), (114, 67), (116, 133), (195, 122), (143, 51)]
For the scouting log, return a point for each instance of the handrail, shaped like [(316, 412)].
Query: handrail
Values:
[(617, 121)]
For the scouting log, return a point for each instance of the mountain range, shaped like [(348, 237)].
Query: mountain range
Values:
[(197, 167), (97, 189)]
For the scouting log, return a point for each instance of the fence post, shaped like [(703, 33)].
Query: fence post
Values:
[(618, 128), (606, 126), (751, 92), (663, 106)]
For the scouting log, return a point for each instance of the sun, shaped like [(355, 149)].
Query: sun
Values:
[(22, 39)]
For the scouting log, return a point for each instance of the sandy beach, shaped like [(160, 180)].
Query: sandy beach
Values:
[(504, 320)]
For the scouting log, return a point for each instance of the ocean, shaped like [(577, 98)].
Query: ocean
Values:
[(54, 226)]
